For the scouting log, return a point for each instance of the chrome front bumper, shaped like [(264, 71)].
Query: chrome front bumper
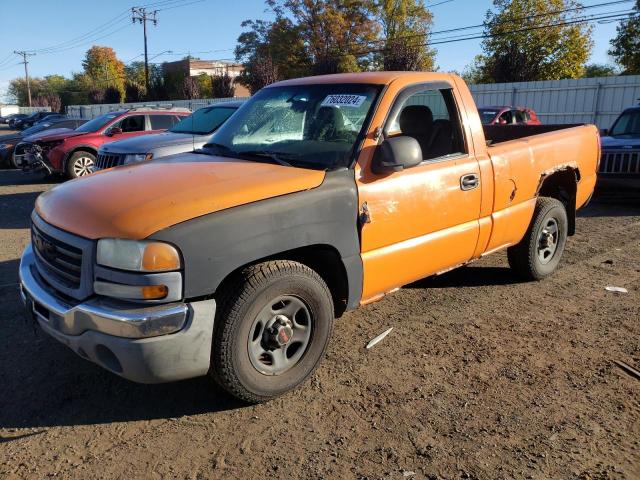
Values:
[(144, 344)]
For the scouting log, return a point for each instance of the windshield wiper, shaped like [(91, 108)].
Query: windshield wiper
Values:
[(274, 156), (216, 149)]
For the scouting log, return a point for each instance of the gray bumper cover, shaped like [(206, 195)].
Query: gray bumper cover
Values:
[(131, 342)]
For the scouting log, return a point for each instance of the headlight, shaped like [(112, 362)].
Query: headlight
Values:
[(139, 256), (137, 157)]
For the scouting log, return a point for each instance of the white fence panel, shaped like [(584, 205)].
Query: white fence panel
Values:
[(586, 100)]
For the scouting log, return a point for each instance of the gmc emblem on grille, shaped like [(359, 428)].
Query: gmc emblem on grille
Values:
[(45, 247)]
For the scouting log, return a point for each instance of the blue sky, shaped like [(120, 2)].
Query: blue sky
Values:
[(210, 26)]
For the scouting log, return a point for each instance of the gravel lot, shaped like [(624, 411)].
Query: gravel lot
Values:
[(482, 378)]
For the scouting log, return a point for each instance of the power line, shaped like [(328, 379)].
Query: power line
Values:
[(86, 36), (509, 21), (594, 18)]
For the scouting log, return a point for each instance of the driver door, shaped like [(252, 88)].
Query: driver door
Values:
[(424, 219)]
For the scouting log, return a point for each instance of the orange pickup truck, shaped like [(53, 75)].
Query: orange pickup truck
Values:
[(319, 195)]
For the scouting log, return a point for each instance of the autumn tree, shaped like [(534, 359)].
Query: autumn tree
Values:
[(534, 40), (190, 89), (405, 28), (103, 69), (271, 50), (625, 47), (51, 100), (222, 86), (337, 34)]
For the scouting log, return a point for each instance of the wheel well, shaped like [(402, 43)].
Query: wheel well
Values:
[(324, 260), (562, 185), (83, 148)]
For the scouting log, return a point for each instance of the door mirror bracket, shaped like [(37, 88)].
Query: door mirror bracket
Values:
[(395, 154)]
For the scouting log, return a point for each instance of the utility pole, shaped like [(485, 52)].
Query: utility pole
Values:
[(24, 56), (140, 14)]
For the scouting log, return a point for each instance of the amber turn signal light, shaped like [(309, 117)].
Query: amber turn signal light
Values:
[(154, 292)]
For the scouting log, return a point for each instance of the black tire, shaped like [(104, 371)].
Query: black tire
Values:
[(241, 304), (527, 258), (74, 168)]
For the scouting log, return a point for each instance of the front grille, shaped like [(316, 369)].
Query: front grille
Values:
[(108, 161), (616, 161), (62, 259)]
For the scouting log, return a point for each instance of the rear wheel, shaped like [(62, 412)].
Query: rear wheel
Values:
[(540, 251), (80, 164), (273, 326)]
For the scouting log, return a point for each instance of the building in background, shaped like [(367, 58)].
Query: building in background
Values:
[(192, 67)]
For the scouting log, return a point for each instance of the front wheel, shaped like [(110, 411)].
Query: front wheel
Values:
[(80, 164), (272, 328), (538, 253)]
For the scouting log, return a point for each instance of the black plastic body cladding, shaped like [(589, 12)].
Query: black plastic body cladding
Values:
[(216, 244)]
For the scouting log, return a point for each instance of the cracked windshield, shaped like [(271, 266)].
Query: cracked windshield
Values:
[(314, 126)]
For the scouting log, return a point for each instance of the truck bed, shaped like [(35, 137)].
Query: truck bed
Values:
[(495, 134), (523, 155)]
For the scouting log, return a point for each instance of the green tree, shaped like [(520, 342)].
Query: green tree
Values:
[(625, 47), (205, 87), (103, 69), (405, 27), (599, 70), (531, 40)]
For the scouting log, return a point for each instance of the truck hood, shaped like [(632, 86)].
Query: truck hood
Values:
[(615, 143), (146, 143), (53, 135), (141, 199)]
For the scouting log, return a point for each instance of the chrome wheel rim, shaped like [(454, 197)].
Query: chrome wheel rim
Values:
[(280, 335), (548, 241), (83, 166)]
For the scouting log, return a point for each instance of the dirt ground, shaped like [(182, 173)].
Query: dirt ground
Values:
[(482, 377)]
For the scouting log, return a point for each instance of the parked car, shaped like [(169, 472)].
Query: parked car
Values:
[(30, 120), (5, 118), (12, 119), (508, 116), (620, 164), (189, 134), (8, 142), (74, 153), (233, 260)]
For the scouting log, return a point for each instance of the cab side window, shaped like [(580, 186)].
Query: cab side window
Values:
[(431, 117), (506, 118), (134, 123), (520, 116), (162, 122)]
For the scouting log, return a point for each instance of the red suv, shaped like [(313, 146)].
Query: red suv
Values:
[(74, 152), (508, 116)]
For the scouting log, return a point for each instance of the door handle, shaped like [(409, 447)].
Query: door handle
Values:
[(469, 181)]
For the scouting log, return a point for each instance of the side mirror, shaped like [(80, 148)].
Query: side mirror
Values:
[(395, 154), (604, 132), (114, 131)]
